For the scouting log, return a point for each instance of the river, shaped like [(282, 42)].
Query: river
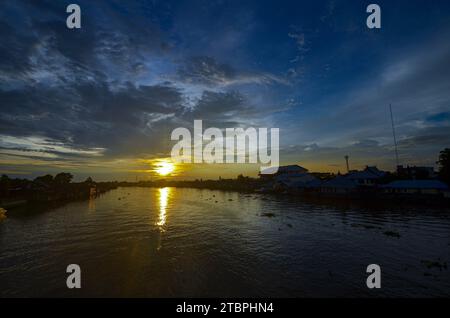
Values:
[(170, 242)]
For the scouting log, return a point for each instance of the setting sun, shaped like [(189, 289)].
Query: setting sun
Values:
[(164, 168)]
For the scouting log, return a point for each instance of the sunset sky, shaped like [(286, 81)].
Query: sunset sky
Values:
[(103, 100)]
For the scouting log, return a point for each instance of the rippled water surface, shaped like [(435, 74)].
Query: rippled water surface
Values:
[(146, 242)]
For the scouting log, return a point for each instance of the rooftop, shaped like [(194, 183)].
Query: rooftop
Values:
[(285, 169), (417, 184)]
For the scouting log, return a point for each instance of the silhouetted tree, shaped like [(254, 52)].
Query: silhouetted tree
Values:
[(5, 183), (89, 180), (4, 178), (63, 178), (46, 180), (444, 165)]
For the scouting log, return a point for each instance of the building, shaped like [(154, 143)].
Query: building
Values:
[(416, 187), (313, 184), (354, 181), (295, 181), (282, 171), (368, 177), (420, 173), (340, 185), (288, 177)]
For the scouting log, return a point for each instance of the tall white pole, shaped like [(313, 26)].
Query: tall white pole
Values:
[(395, 138)]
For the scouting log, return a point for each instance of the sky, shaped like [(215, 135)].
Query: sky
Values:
[(102, 100)]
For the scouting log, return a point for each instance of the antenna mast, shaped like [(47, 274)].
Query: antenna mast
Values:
[(346, 161), (395, 138)]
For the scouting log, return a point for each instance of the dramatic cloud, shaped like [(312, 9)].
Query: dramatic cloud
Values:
[(206, 70), (107, 96)]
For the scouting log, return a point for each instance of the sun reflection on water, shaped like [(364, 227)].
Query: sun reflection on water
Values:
[(91, 206), (164, 194)]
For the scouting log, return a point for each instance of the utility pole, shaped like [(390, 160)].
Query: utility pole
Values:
[(346, 161), (395, 138)]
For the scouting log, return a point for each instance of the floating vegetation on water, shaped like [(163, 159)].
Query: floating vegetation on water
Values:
[(269, 215), (392, 234), (434, 264)]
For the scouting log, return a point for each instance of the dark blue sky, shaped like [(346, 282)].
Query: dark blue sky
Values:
[(104, 99)]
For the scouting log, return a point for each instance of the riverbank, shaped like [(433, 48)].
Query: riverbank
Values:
[(28, 197), (24, 200), (373, 196)]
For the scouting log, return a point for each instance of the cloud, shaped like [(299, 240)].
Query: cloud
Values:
[(207, 71), (93, 88), (417, 93), (329, 11), (300, 40), (441, 117), (418, 150), (116, 88)]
